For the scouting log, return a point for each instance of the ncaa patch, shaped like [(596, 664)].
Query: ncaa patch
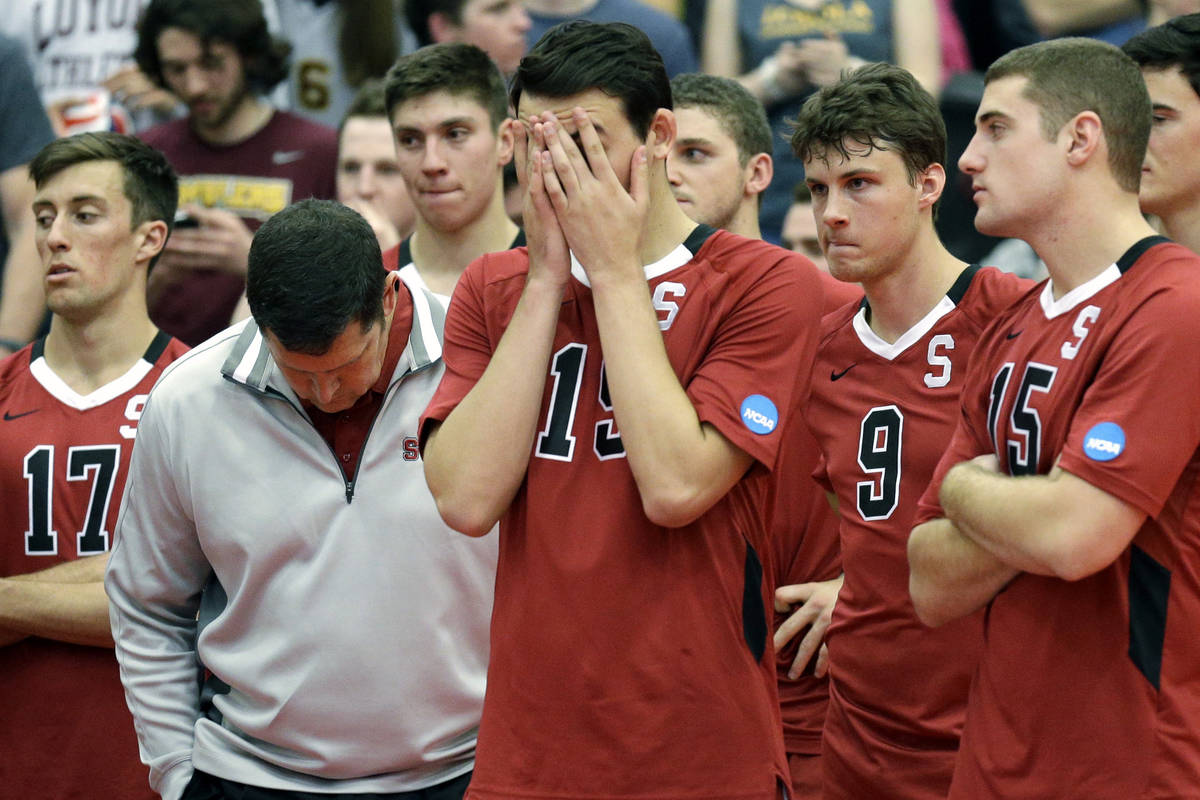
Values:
[(759, 414), (1104, 442)]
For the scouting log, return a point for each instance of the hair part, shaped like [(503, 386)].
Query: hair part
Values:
[(1175, 43), (313, 269), (1066, 77), (456, 68), (149, 183), (739, 113), (613, 57), (240, 23)]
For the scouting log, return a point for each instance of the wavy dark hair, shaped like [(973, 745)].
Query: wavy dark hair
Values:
[(241, 23), (1175, 43), (878, 106)]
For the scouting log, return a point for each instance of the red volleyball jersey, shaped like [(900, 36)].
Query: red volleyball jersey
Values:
[(883, 414), (67, 732), (1091, 688), (804, 548), (630, 660)]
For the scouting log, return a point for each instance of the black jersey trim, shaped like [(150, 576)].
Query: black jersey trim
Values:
[(754, 616), (405, 255), (956, 292), (959, 289), (157, 347), (1149, 593), (699, 235), (1138, 250)]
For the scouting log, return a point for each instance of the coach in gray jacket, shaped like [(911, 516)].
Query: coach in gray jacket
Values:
[(290, 613)]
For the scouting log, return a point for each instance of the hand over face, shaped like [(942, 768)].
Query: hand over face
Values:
[(600, 218), (548, 255)]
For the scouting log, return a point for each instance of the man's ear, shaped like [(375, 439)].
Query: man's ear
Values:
[(1084, 133), (759, 171), (505, 140), (661, 135), (931, 181), (392, 286), (154, 237)]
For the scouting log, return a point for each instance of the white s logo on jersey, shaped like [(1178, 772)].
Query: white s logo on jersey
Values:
[(663, 305), (937, 359), (1082, 327)]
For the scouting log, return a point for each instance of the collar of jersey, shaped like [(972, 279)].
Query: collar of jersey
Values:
[(57, 387), (890, 350), (672, 260), (1053, 308)]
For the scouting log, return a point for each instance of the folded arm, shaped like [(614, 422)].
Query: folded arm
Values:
[(1055, 524), (65, 602), (949, 575)]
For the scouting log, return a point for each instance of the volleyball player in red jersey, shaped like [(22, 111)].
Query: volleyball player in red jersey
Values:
[(883, 404), (71, 403), (718, 168), (614, 396), (1067, 500)]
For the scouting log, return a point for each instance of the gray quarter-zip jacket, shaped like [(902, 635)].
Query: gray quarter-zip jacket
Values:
[(276, 624)]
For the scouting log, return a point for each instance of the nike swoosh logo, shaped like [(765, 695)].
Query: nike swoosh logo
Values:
[(286, 156), (1014, 334), (9, 417), (833, 376)]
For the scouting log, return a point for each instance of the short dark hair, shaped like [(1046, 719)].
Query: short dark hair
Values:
[(456, 68), (614, 57), (738, 112), (1175, 43), (368, 101), (314, 267), (150, 183), (1068, 76), (418, 12), (241, 23), (878, 106)]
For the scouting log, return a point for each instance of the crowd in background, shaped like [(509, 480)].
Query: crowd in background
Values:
[(82, 59)]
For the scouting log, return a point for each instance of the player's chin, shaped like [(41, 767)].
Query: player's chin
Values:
[(990, 223), (845, 273)]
